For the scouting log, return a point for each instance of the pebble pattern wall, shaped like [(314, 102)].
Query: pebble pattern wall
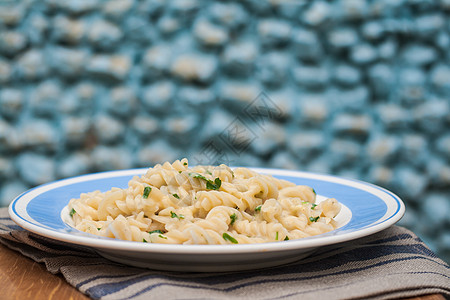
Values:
[(354, 88)]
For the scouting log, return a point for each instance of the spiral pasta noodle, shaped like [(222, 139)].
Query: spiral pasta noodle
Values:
[(175, 204)]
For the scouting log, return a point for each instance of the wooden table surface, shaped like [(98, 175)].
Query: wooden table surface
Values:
[(23, 278)]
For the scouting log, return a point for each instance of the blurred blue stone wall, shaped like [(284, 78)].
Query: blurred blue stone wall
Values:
[(354, 88)]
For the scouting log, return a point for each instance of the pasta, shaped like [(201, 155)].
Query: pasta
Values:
[(174, 204)]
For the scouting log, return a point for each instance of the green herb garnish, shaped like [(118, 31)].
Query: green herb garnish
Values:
[(258, 208), (156, 231), (286, 238), (312, 219), (98, 228), (313, 206), (72, 212), (185, 164), (233, 218), (228, 237), (174, 215), (176, 196), (276, 236), (144, 241), (210, 185), (147, 191), (198, 176), (314, 191), (163, 237), (179, 172), (214, 186)]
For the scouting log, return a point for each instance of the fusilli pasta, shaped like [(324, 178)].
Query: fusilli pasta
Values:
[(175, 204)]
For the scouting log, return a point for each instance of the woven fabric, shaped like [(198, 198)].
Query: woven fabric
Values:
[(393, 263)]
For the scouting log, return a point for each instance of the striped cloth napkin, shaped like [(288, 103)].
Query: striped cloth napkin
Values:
[(393, 263)]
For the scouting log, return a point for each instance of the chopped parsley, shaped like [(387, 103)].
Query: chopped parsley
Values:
[(258, 208), (174, 215), (228, 237), (144, 241), (214, 186), (163, 237), (176, 196), (313, 206), (312, 219), (210, 185), (156, 231), (276, 236), (185, 164), (233, 218), (286, 238), (98, 228), (179, 172), (198, 176), (314, 191), (72, 212), (147, 191)]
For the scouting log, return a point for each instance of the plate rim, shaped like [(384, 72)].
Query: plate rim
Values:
[(120, 245)]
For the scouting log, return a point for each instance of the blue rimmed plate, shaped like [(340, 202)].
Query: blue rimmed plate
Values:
[(366, 209)]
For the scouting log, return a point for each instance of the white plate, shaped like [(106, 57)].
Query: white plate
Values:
[(366, 209)]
